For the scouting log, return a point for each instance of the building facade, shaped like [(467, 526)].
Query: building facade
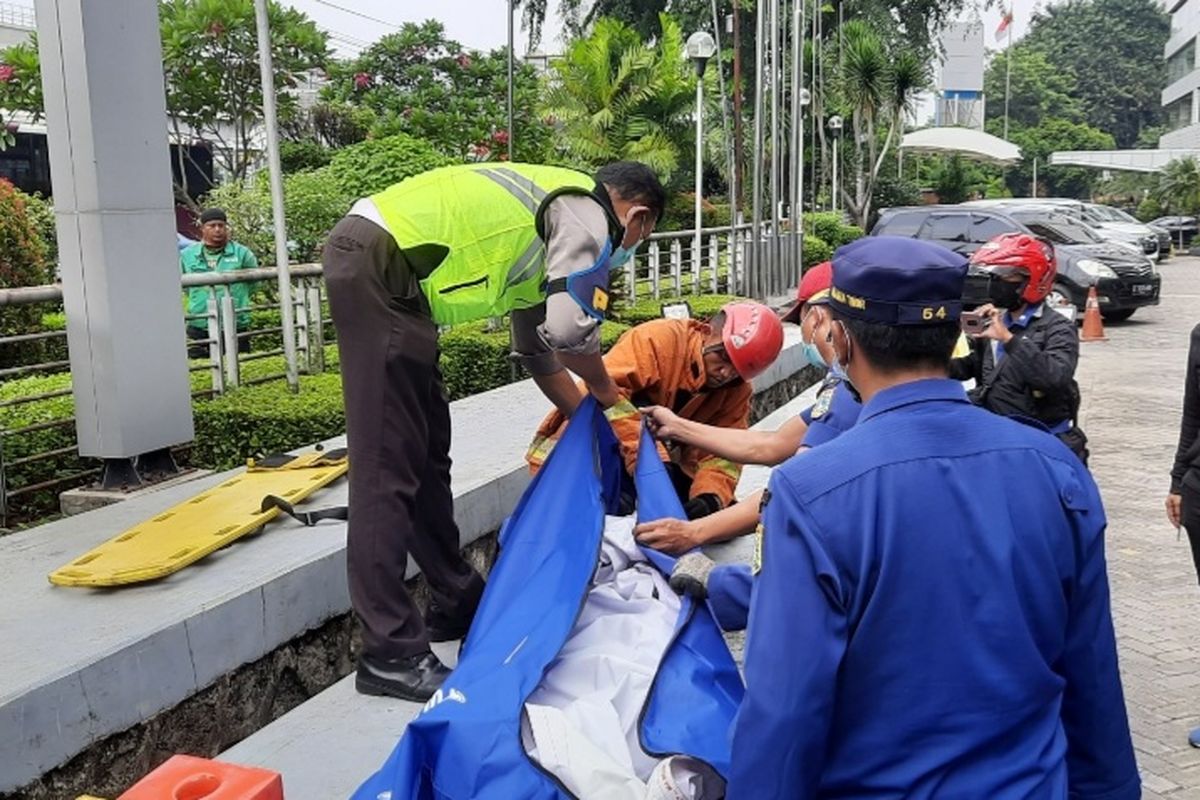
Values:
[(1181, 98)]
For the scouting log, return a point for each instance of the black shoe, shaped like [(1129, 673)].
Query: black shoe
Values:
[(442, 628), (415, 678)]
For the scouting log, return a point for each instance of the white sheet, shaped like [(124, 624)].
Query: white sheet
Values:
[(581, 722)]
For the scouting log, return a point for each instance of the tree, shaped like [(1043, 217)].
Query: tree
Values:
[(1179, 186), (879, 85), (1042, 140), (1038, 90), (20, 84), (615, 97), (211, 71), (1112, 49), (418, 82), (212, 74)]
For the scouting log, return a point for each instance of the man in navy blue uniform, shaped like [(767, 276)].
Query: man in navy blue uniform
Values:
[(931, 618)]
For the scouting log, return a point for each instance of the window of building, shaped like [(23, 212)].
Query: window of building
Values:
[(1182, 62), (1179, 114)]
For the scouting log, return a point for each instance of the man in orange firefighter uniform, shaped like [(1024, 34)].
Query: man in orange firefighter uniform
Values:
[(699, 370)]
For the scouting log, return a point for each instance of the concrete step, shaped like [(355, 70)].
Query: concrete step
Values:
[(82, 664), (329, 745)]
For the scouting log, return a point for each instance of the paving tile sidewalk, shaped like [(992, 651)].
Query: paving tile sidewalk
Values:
[(1132, 387)]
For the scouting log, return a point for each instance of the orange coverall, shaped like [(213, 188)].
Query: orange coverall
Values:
[(661, 362)]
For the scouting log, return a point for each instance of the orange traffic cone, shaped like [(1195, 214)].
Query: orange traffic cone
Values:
[(191, 778), (1093, 326)]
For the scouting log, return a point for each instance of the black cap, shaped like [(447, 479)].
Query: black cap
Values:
[(213, 215), (895, 280)]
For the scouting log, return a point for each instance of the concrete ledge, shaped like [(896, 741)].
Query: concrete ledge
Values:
[(89, 498), (363, 730), (83, 664)]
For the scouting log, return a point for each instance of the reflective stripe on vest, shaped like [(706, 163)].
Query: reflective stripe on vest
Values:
[(486, 216)]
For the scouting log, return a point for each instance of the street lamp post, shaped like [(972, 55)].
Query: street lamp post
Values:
[(275, 174), (835, 125), (700, 48)]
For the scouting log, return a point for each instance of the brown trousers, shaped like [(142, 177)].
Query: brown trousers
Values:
[(398, 430)]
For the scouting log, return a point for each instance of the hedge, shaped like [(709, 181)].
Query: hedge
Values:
[(815, 251), (829, 228), (703, 306), (266, 417), (244, 422)]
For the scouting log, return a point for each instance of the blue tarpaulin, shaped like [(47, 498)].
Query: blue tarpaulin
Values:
[(466, 743)]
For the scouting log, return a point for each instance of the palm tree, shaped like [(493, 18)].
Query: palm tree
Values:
[(879, 85), (615, 97), (1179, 186)]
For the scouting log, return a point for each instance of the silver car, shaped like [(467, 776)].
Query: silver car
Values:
[(1108, 222)]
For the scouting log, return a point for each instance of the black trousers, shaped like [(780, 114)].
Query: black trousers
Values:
[(201, 350), (398, 430), (1191, 515)]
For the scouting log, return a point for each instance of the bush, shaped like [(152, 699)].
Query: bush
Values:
[(680, 213), (41, 214), (22, 263), (267, 418), (313, 203), (891, 192), (1149, 209), (245, 422), (703, 306), (302, 155), (248, 207), (829, 228), (475, 359), (372, 166), (815, 251)]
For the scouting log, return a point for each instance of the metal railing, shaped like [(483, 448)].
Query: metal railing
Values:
[(730, 261), (665, 266), (221, 358)]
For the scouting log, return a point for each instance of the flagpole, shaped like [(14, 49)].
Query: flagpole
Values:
[(1007, 73)]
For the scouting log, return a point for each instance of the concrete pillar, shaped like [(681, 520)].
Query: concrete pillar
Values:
[(107, 130)]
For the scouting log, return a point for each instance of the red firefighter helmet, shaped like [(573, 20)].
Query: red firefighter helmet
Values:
[(753, 337), (1019, 253)]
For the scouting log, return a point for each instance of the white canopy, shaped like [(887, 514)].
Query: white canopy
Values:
[(967, 142)]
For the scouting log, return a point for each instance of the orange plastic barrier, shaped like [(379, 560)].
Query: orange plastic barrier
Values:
[(191, 778)]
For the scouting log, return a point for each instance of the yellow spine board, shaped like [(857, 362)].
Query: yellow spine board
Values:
[(191, 530)]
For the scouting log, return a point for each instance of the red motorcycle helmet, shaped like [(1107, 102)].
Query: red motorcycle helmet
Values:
[(753, 336), (1019, 253)]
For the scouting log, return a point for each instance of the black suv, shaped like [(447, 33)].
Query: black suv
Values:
[(1124, 280)]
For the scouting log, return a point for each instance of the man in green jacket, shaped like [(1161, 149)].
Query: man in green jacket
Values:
[(216, 253), (453, 245)]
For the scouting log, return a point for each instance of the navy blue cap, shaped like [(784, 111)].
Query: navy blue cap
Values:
[(895, 280)]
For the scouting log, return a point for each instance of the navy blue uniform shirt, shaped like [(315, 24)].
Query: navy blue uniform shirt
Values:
[(730, 585), (932, 619), (834, 412)]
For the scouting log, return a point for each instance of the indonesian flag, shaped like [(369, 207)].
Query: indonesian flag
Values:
[(1005, 21)]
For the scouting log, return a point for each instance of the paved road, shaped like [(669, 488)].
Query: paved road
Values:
[(1132, 387)]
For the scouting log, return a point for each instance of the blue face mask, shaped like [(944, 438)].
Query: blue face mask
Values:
[(838, 371), (621, 255), (812, 353)]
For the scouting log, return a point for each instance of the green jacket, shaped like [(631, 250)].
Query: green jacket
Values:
[(196, 258), (489, 219)]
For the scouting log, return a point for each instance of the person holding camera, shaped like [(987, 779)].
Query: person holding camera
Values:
[(1023, 353)]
